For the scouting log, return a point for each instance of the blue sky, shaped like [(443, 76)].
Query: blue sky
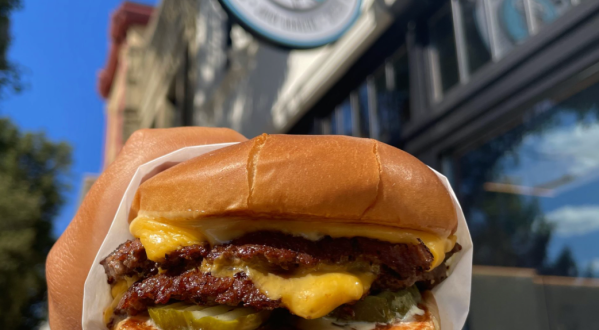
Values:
[(63, 44)]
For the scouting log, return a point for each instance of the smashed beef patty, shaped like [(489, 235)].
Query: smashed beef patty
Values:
[(400, 266), (269, 249), (193, 287)]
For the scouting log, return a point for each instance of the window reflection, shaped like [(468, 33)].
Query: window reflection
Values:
[(443, 54), (388, 109), (345, 109), (362, 95), (487, 30), (476, 34), (334, 126), (531, 197), (401, 84), (547, 11), (391, 85), (375, 109)]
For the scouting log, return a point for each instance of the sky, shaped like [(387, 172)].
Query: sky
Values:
[(62, 45)]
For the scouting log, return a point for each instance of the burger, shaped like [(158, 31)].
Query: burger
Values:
[(285, 232)]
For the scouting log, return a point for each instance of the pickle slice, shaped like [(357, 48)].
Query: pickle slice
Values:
[(381, 308), (181, 316)]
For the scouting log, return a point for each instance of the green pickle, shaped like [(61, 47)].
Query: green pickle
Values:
[(191, 317), (381, 308)]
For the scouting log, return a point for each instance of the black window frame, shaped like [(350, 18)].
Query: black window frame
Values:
[(493, 93), (498, 90)]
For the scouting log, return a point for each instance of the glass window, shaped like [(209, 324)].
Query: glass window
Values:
[(547, 11), (334, 118), (324, 125), (401, 84), (362, 96), (511, 22), (315, 127), (347, 120), (391, 83), (388, 107), (475, 34), (531, 198), (443, 56)]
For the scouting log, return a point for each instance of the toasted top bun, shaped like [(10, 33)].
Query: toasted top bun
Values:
[(310, 178), (428, 321)]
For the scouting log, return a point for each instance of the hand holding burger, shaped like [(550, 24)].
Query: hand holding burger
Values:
[(72, 256), (285, 232)]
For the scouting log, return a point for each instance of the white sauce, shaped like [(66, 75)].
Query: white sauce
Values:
[(414, 310), (325, 323)]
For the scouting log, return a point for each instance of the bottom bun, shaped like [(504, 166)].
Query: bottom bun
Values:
[(428, 321), (136, 323)]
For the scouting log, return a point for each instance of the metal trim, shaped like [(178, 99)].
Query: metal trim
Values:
[(489, 15), (339, 120), (460, 41), (565, 37), (531, 21), (354, 103), (372, 109), (420, 91), (482, 114)]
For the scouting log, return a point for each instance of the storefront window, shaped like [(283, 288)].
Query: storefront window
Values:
[(391, 83), (512, 22), (476, 34), (443, 56), (362, 96), (334, 126), (464, 35), (401, 84), (531, 198), (324, 125), (345, 109), (545, 12)]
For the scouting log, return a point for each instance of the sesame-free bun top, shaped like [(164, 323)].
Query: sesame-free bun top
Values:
[(337, 179)]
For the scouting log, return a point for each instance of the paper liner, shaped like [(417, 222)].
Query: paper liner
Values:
[(453, 295)]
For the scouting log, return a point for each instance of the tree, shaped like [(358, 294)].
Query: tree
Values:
[(10, 73), (564, 265), (33, 177), (513, 233)]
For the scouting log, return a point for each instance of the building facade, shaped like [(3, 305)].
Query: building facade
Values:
[(502, 96), (119, 83)]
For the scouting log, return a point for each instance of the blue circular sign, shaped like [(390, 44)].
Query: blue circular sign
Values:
[(296, 23)]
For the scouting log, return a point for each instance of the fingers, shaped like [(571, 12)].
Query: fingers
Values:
[(71, 257)]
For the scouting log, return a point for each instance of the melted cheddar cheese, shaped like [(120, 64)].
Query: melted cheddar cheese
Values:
[(313, 295), (161, 236), (309, 295), (117, 291)]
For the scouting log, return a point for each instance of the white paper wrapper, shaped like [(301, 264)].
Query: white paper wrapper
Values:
[(453, 295)]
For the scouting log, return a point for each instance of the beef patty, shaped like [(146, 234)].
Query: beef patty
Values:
[(400, 266), (193, 287)]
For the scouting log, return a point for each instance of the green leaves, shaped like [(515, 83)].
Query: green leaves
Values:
[(10, 72), (33, 178)]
